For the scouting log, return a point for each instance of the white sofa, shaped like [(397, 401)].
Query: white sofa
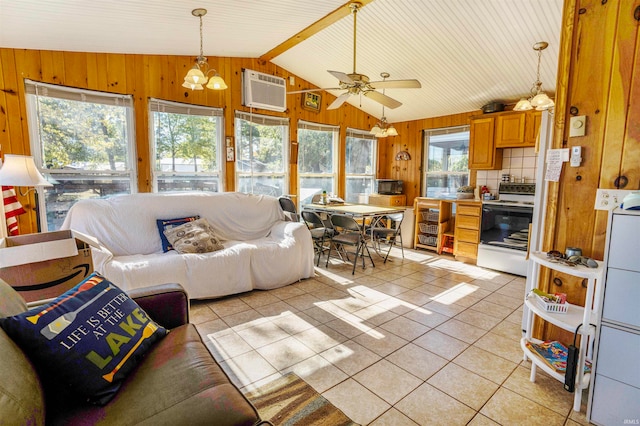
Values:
[(261, 249)]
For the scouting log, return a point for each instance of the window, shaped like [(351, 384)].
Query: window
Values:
[(187, 146), (261, 154), (360, 164), (84, 140), (446, 162), (317, 159)]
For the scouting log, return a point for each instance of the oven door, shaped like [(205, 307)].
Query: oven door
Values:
[(504, 237)]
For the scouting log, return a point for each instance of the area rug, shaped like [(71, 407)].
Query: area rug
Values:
[(290, 401)]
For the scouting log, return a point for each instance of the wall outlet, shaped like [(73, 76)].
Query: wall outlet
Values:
[(608, 199)]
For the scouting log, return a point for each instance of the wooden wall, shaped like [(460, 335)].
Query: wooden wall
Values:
[(161, 76), (598, 77), (410, 139)]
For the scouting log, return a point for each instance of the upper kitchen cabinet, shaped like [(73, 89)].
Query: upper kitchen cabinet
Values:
[(482, 149), (517, 129)]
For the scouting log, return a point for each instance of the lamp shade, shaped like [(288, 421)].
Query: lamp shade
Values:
[(195, 76), (523, 105), (391, 131), (216, 83), (20, 170)]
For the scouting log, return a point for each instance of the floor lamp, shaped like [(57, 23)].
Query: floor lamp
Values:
[(18, 170)]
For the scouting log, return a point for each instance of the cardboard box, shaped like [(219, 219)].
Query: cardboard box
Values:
[(43, 266)]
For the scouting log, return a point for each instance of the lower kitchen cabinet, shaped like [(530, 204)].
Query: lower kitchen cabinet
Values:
[(467, 229)]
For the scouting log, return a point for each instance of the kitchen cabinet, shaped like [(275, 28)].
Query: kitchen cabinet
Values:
[(432, 219), (582, 320), (383, 200), (510, 129), (615, 392), (467, 229), (483, 154), (517, 129)]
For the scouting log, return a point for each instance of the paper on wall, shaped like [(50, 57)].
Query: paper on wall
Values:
[(555, 158)]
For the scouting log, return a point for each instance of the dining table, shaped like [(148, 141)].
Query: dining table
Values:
[(363, 213)]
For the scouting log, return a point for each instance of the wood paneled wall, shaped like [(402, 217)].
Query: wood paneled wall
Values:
[(598, 77), (146, 76), (410, 139)]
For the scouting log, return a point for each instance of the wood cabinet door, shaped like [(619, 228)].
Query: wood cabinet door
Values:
[(482, 149), (510, 130), (533, 119)]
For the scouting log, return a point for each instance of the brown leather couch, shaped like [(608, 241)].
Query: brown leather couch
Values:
[(178, 381)]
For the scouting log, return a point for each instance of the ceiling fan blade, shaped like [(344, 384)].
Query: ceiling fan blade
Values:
[(396, 84), (314, 90), (339, 101), (344, 78), (383, 99)]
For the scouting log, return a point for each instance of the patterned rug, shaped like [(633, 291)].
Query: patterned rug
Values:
[(289, 401)]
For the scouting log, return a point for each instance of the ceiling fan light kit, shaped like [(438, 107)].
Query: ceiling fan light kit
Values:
[(360, 84), (198, 76), (538, 99), (382, 128)]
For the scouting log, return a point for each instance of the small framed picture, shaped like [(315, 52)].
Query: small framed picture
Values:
[(311, 101)]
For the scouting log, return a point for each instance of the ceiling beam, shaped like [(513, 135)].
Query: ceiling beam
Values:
[(312, 29)]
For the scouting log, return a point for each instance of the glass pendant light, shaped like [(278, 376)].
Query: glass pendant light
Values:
[(538, 99), (197, 76)]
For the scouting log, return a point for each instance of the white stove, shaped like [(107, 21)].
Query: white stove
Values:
[(504, 234), (515, 194)]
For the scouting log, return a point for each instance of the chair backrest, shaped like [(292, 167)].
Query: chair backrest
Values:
[(345, 222), (288, 206), (397, 219), (312, 219)]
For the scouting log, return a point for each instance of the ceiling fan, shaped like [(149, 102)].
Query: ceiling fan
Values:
[(356, 83)]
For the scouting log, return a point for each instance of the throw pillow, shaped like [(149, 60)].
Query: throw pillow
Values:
[(88, 339), (194, 237), (164, 224)]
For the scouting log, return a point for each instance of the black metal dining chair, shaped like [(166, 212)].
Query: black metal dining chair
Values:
[(320, 233), (288, 206), (349, 233), (387, 230)]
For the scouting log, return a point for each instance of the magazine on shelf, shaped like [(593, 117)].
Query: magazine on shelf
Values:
[(554, 354)]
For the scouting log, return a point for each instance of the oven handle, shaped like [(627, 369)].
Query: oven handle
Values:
[(516, 209)]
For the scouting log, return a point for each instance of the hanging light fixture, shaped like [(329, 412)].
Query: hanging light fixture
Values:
[(382, 129), (197, 76), (538, 99)]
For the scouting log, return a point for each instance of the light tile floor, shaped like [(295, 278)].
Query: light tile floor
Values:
[(421, 340)]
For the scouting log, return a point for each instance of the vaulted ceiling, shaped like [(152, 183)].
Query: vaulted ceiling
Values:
[(465, 53)]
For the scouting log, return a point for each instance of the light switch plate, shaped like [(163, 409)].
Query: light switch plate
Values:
[(577, 126), (608, 199)]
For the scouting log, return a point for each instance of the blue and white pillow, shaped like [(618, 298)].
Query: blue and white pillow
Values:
[(88, 339)]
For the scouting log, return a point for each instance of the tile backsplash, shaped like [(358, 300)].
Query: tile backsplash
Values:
[(517, 162)]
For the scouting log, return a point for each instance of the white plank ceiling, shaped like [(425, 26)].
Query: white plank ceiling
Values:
[(465, 53)]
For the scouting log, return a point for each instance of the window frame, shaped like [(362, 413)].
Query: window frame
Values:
[(361, 134), (265, 120), (161, 105), (335, 130), (426, 134), (35, 89)]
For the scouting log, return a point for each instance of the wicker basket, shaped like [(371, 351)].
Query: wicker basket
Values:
[(427, 240), (556, 308), (428, 229), (431, 216)]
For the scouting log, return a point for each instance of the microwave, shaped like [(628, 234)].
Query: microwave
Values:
[(388, 186)]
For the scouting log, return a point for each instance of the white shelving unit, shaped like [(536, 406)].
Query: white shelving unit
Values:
[(569, 321)]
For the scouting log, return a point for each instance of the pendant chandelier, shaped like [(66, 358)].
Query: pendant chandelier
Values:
[(198, 76), (382, 128), (538, 99)]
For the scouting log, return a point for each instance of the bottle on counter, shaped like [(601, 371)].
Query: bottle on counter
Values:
[(324, 197)]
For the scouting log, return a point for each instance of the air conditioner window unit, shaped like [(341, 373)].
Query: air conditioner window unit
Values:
[(264, 91)]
